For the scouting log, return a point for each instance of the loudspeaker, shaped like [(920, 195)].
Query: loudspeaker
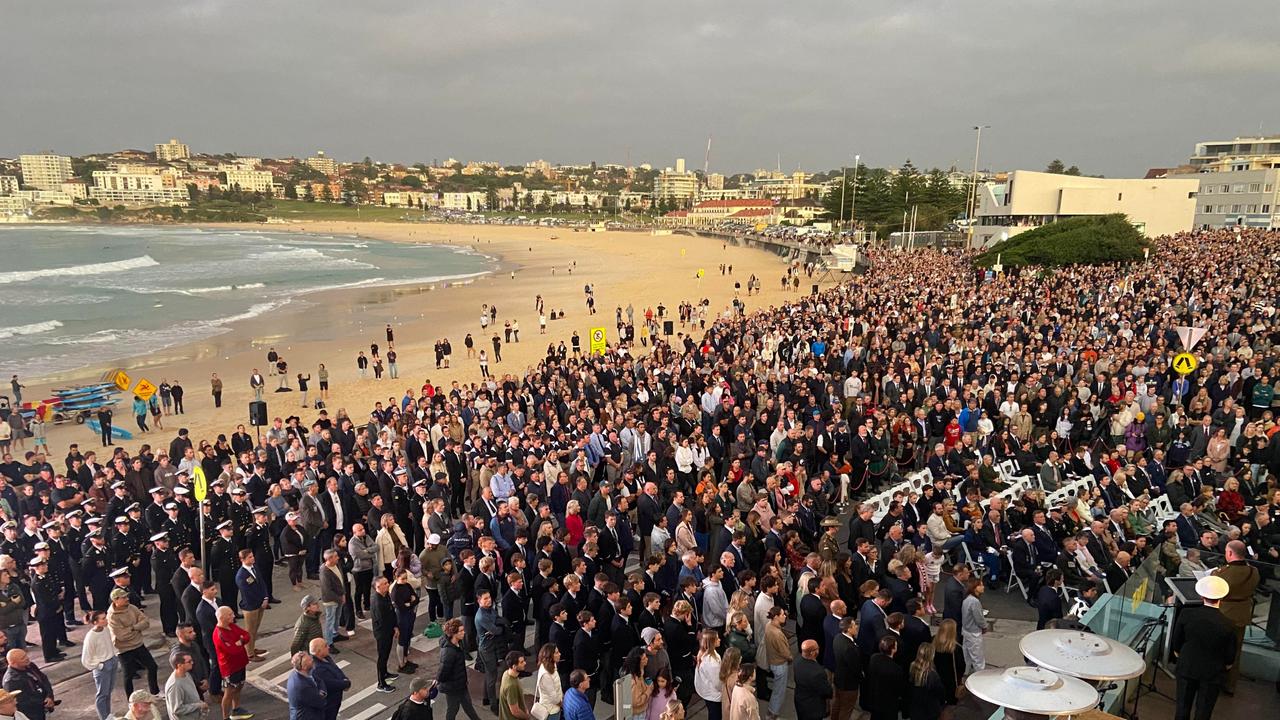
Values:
[(258, 413), (668, 328)]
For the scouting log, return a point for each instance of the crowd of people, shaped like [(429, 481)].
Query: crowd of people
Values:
[(668, 519)]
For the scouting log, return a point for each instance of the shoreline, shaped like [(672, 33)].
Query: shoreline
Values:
[(625, 268)]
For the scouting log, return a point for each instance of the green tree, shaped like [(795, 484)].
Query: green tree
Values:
[(1056, 167), (1073, 170), (412, 181), (326, 193)]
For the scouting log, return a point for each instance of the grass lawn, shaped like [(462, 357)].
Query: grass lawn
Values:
[(303, 210)]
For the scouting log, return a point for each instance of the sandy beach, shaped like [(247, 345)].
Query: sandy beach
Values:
[(625, 268)]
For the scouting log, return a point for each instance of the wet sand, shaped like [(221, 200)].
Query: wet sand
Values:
[(624, 267)]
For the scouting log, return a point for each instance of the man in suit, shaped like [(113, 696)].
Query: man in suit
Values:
[(562, 637), (253, 598), (1118, 572), (953, 591), (915, 629), (1188, 526), (871, 621), (813, 688), (586, 652), (847, 674), (1203, 641), (206, 614), (1026, 561)]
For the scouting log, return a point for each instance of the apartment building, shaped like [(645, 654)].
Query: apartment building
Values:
[(172, 150), (44, 172)]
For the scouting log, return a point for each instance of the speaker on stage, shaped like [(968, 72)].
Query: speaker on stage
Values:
[(668, 328), (258, 413)]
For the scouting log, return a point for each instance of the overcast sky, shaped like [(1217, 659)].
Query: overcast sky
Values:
[(1112, 86)]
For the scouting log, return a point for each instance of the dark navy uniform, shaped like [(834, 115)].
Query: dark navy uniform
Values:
[(94, 568)]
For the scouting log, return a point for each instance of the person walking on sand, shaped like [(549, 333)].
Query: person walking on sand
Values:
[(215, 384), (322, 375), (391, 335), (447, 348), (362, 364), (104, 425), (154, 405), (302, 387), (140, 412), (17, 391), (470, 344), (497, 348), (484, 365), (176, 391)]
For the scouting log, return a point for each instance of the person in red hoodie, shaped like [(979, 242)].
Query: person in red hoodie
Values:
[(230, 641)]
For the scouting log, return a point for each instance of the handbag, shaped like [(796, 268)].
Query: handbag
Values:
[(538, 711), (962, 690)]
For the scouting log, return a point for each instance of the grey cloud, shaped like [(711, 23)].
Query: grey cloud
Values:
[(1112, 87)]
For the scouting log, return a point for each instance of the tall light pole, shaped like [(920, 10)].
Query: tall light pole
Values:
[(973, 185), (844, 182), (853, 202)]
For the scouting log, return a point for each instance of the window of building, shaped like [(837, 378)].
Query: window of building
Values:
[(1266, 208), (1208, 209), (1208, 190), (1237, 188), (1255, 187), (1235, 208), (1268, 187), (1252, 208), (1224, 188), (1119, 197)]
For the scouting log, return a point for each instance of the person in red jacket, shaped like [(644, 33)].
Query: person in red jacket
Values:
[(230, 642)]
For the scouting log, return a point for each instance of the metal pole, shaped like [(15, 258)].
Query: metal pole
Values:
[(844, 183), (973, 185), (204, 553), (853, 202)]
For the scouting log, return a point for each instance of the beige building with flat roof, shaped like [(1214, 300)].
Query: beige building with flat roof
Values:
[(1031, 199), (172, 150), (44, 172)]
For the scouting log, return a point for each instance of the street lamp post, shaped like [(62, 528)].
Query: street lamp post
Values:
[(973, 185), (853, 202)]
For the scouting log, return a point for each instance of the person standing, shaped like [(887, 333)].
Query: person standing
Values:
[(973, 625), (706, 674), (127, 624), (29, 684), (181, 697), (164, 563), (307, 697), (215, 384), (1203, 641), (510, 696), (778, 650), (104, 424), (333, 594), (452, 678), (330, 675), (17, 391), (229, 642), (491, 640), (418, 705), (384, 631), (253, 599), (848, 670), (176, 392), (813, 689), (48, 597), (1237, 605), (98, 655), (302, 387), (257, 383)]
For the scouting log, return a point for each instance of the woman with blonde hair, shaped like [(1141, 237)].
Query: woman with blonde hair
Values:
[(706, 674), (390, 542), (573, 523), (674, 711), (948, 659), (729, 666), (926, 688)]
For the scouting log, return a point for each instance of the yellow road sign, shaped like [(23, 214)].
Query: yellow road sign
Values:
[(598, 341), (201, 487), (121, 379), (1185, 363), (144, 389)]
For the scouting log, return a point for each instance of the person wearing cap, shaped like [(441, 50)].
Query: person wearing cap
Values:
[(177, 527), (418, 705), (1203, 642), (59, 556), (48, 598), (164, 562), (293, 545), (142, 706), (241, 513), (308, 625), (94, 569), (258, 541), (27, 691), (127, 624), (223, 561)]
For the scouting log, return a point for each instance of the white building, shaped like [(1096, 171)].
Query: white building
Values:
[(675, 184), (8, 184), (172, 150), (473, 201), (112, 188), (44, 172), (248, 180), (1031, 199)]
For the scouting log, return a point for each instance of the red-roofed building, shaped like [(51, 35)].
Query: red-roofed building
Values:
[(710, 213)]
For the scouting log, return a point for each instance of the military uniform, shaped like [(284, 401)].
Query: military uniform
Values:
[(94, 569), (61, 568), (180, 532), (223, 563), (241, 516), (828, 546), (164, 563), (258, 539), (1242, 579), (48, 594)]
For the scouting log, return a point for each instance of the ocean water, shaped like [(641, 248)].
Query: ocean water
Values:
[(73, 297)]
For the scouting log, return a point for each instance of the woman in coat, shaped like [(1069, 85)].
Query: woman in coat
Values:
[(948, 659), (390, 541), (926, 690), (547, 692)]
